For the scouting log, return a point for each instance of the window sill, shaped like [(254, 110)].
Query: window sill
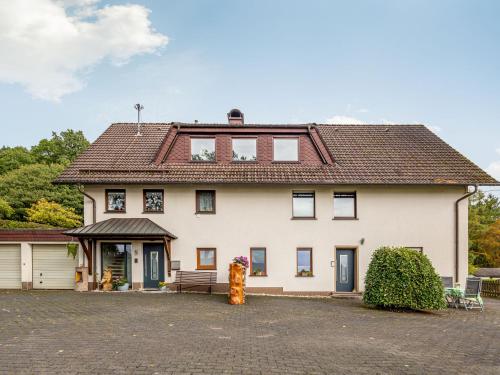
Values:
[(304, 276), (204, 213), (263, 275), (245, 161), (115, 212), (153, 212), (206, 269), (302, 218), (345, 218)]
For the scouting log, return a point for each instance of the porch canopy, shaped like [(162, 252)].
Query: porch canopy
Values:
[(122, 229)]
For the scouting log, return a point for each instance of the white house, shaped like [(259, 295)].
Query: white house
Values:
[(308, 204)]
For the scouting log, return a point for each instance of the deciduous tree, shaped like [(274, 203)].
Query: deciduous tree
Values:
[(53, 213)]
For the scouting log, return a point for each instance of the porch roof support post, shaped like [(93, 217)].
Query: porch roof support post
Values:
[(168, 252), (88, 252)]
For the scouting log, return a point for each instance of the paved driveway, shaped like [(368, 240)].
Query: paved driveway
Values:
[(107, 333)]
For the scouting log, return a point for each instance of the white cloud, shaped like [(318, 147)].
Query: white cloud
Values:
[(48, 45), (434, 129), (344, 120), (494, 169)]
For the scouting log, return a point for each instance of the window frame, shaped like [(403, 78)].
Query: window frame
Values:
[(297, 273), (144, 209), (355, 217), (264, 271), (197, 195), (190, 155), (256, 149), (313, 217), (298, 149), (106, 200), (203, 267)]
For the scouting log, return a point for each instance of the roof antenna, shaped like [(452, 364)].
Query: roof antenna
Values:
[(138, 108)]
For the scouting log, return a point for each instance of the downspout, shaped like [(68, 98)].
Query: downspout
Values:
[(457, 235), (93, 204), (94, 218)]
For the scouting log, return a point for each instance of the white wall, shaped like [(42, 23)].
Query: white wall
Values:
[(260, 216)]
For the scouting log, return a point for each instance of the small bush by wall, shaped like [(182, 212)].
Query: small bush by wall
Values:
[(402, 278)]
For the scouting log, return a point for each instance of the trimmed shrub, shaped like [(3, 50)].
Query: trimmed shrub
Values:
[(401, 278)]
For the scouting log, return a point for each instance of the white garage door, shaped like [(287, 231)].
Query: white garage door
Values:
[(52, 268), (10, 267)]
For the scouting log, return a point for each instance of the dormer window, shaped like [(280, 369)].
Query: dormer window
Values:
[(202, 149), (285, 149), (244, 149)]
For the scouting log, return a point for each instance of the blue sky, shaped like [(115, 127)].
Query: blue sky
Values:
[(429, 62)]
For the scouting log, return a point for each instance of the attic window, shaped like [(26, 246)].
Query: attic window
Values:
[(286, 149), (244, 149), (203, 149)]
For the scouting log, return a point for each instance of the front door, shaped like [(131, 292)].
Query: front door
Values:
[(345, 270), (154, 265)]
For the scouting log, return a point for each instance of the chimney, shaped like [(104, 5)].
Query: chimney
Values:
[(235, 117)]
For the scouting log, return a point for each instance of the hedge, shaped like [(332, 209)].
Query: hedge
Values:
[(401, 278)]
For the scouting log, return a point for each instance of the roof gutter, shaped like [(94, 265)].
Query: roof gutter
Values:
[(94, 216), (457, 236)]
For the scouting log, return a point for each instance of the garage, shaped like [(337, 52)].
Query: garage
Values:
[(52, 267), (10, 267)]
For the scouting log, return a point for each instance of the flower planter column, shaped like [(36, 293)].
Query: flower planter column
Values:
[(236, 284)]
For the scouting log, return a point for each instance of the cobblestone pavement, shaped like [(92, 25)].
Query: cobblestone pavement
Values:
[(122, 333)]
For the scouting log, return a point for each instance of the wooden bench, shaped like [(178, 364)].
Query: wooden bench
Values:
[(194, 279)]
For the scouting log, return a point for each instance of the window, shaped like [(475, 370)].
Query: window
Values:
[(203, 149), (344, 205), (303, 205), (258, 261), (117, 257), (206, 259), (244, 149), (153, 200), (304, 262), (205, 201), (115, 200), (286, 149)]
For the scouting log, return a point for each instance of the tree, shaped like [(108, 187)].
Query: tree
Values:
[(489, 244), (62, 148), (6, 210), (30, 183), (52, 213), (484, 211), (13, 157)]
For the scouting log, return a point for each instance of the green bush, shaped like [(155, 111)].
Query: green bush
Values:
[(401, 278)]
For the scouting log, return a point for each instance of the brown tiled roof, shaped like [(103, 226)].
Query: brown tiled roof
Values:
[(362, 154), (33, 235)]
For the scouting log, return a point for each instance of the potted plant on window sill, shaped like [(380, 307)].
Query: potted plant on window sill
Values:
[(121, 284), (258, 272), (304, 273)]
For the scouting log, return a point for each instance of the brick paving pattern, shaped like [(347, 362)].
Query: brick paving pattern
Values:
[(124, 333)]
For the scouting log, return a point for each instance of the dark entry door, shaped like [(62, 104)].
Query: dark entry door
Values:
[(345, 270), (154, 265)]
